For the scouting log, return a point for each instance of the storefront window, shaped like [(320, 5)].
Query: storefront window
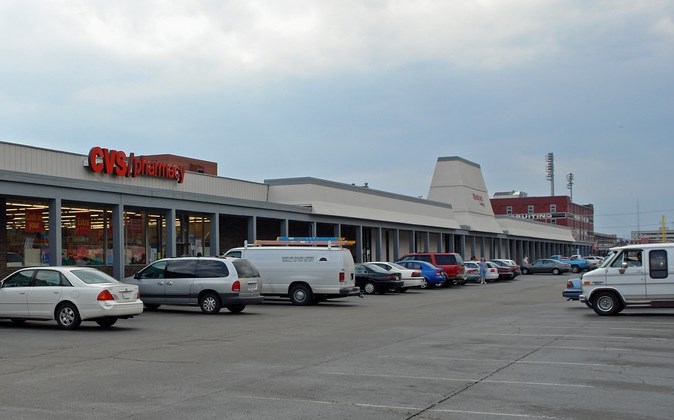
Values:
[(86, 235), (27, 229), (145, 236), (193, 235)]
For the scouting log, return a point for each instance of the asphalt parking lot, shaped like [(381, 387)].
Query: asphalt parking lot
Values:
[(513, 349)]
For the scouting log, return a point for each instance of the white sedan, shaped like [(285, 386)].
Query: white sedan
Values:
[(410, 278), (69, 295)]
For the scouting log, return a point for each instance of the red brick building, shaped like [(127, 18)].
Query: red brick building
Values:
[(557, 210)]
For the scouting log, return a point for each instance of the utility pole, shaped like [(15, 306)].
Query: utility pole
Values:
[(550, 168)]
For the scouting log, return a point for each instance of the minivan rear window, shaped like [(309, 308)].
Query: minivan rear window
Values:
[(245, 268), (210, 268), (180, 269), (445, 260)]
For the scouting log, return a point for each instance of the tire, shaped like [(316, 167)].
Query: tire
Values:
[(556, 271), (423, 285), (606, 303), (151, 306), (575, 269), (235, 309), (301, 295), (210, 303), (369, 288), (107, 322), (525, 271), (67, 316)]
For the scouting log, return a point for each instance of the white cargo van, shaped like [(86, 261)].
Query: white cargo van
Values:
[(631, 276), (305, 274)]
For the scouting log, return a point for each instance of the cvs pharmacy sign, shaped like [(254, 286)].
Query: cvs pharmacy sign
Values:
[(116, 162)]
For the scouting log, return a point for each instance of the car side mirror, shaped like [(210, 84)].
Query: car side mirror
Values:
[(622, 268), (137, 276)]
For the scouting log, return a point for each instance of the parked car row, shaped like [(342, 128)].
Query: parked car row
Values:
[(243, 276)]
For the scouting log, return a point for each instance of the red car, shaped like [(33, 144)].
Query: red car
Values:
[(450, 262)]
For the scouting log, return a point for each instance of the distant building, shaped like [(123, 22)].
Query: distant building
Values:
[(556, 210), (606, 241), (651, 236)]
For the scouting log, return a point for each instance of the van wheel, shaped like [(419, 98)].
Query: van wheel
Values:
[(556, 271), (235, 309), (606, 303), (209, 303), (301, 295)]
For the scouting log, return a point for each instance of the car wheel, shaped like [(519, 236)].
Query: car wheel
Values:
[(67, 316), (301, 295), (556, 271), (107, 322), (235, 309), (209, 303), (606, 303), (423, 285), (151, 306), (369, 288), (575, 269), (525, 271)]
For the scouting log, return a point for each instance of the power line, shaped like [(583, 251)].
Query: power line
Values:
[(634, 212)]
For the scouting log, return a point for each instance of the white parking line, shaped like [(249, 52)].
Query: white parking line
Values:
[(393, 407), (475, 381), (548, 327), (500, 361)]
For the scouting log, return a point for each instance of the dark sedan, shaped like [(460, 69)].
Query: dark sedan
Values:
[(546, 265), (372, 278)]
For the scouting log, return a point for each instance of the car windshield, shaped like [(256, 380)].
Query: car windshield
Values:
[(375, 268), (398, 266), (93, 276)]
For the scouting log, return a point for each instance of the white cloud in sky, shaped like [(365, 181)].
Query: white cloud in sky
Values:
[(498, 82)]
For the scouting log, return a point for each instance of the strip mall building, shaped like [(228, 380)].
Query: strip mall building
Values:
[(118, 210)]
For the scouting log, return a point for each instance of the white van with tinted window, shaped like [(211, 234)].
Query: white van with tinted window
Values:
[(632, 276), (305, 274)]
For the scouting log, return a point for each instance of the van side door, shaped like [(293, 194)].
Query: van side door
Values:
[(627, 274), (659, 281), (151, 283), (179, 278)]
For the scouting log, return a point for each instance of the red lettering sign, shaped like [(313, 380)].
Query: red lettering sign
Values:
[(34, 222), (116, 162), (82, 223)]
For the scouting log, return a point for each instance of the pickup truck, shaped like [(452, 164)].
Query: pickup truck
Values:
[(577, 264)]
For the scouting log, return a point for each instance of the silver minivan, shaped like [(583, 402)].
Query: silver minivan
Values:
[(208, 282)]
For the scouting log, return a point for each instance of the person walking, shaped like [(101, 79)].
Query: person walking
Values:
[(483, 271)]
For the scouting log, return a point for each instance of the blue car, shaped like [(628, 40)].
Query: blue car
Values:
[(433, 275), (572, 291)]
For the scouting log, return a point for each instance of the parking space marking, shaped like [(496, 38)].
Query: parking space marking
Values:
[(472, 381), (393, 407), (566, 327), (500, 361), (593, 337), (561, 347)]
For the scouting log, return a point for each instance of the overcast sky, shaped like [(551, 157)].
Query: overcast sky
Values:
[(359, 91)]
